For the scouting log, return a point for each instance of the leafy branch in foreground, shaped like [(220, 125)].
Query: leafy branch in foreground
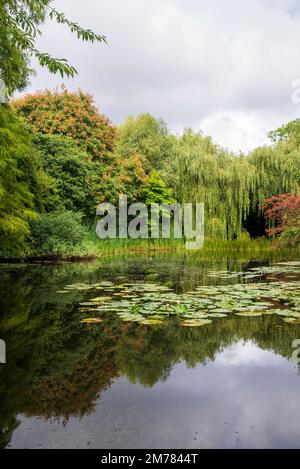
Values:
[(20, 20)]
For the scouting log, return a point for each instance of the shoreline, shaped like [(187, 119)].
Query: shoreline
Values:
[(208, 252)]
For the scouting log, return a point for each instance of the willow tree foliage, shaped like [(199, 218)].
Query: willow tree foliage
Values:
[(216, 178), (277, 170), (230, 186), (20, 21)]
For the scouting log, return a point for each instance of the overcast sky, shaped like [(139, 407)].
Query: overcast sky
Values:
[(225, 67)]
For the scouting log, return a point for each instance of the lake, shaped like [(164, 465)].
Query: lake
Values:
[(164, 351)]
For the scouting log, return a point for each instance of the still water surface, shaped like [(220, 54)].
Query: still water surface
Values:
[(229, 384)]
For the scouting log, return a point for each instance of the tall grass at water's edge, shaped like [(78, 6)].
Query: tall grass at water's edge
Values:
[(260, 248), (242, 248)]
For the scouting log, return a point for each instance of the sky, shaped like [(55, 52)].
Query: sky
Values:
[(225, 67)]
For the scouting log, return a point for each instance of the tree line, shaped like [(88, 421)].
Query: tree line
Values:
[(61, 157)]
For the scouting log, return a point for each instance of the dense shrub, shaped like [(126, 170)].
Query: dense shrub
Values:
[(291, 236), (57, 233)]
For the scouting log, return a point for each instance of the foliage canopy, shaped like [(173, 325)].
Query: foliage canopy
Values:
[(22, 182)]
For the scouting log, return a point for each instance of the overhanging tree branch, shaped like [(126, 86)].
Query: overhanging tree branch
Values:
[(20, 20)]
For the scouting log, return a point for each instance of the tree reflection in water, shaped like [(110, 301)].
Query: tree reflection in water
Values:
[(57, 367)]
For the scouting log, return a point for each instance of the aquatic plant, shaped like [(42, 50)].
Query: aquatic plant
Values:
[(258, 292)]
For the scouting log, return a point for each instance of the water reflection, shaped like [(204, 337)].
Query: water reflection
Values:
[(125, 385)]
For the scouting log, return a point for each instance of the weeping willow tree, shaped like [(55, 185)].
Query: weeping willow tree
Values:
[(232, 187), (277, 170), (221, 181)]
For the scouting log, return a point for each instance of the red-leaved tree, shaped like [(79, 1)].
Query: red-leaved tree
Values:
[(282, 212)]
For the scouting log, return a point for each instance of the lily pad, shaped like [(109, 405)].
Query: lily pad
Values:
[(249, 314), (196, 323), (101, 299), (91, 321)]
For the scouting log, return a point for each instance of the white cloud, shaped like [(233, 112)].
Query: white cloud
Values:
[(246, 353), (242, 130), (225, 65)]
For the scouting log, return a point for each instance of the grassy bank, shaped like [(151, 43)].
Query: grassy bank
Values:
[(91, 247)]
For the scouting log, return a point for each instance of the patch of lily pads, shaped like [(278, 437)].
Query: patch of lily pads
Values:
[(151, 304), (289, 269)]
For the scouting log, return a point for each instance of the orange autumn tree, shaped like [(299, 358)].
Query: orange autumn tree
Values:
[(72, 114), (75, 115)]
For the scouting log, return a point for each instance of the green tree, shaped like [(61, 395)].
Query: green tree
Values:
[(74, 114), (277, 169), (287, 131), (20, 21), (156, 191), (210, 175), (71, 171), (23, 184), (147, 137), (232, 187), (71, 114)]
